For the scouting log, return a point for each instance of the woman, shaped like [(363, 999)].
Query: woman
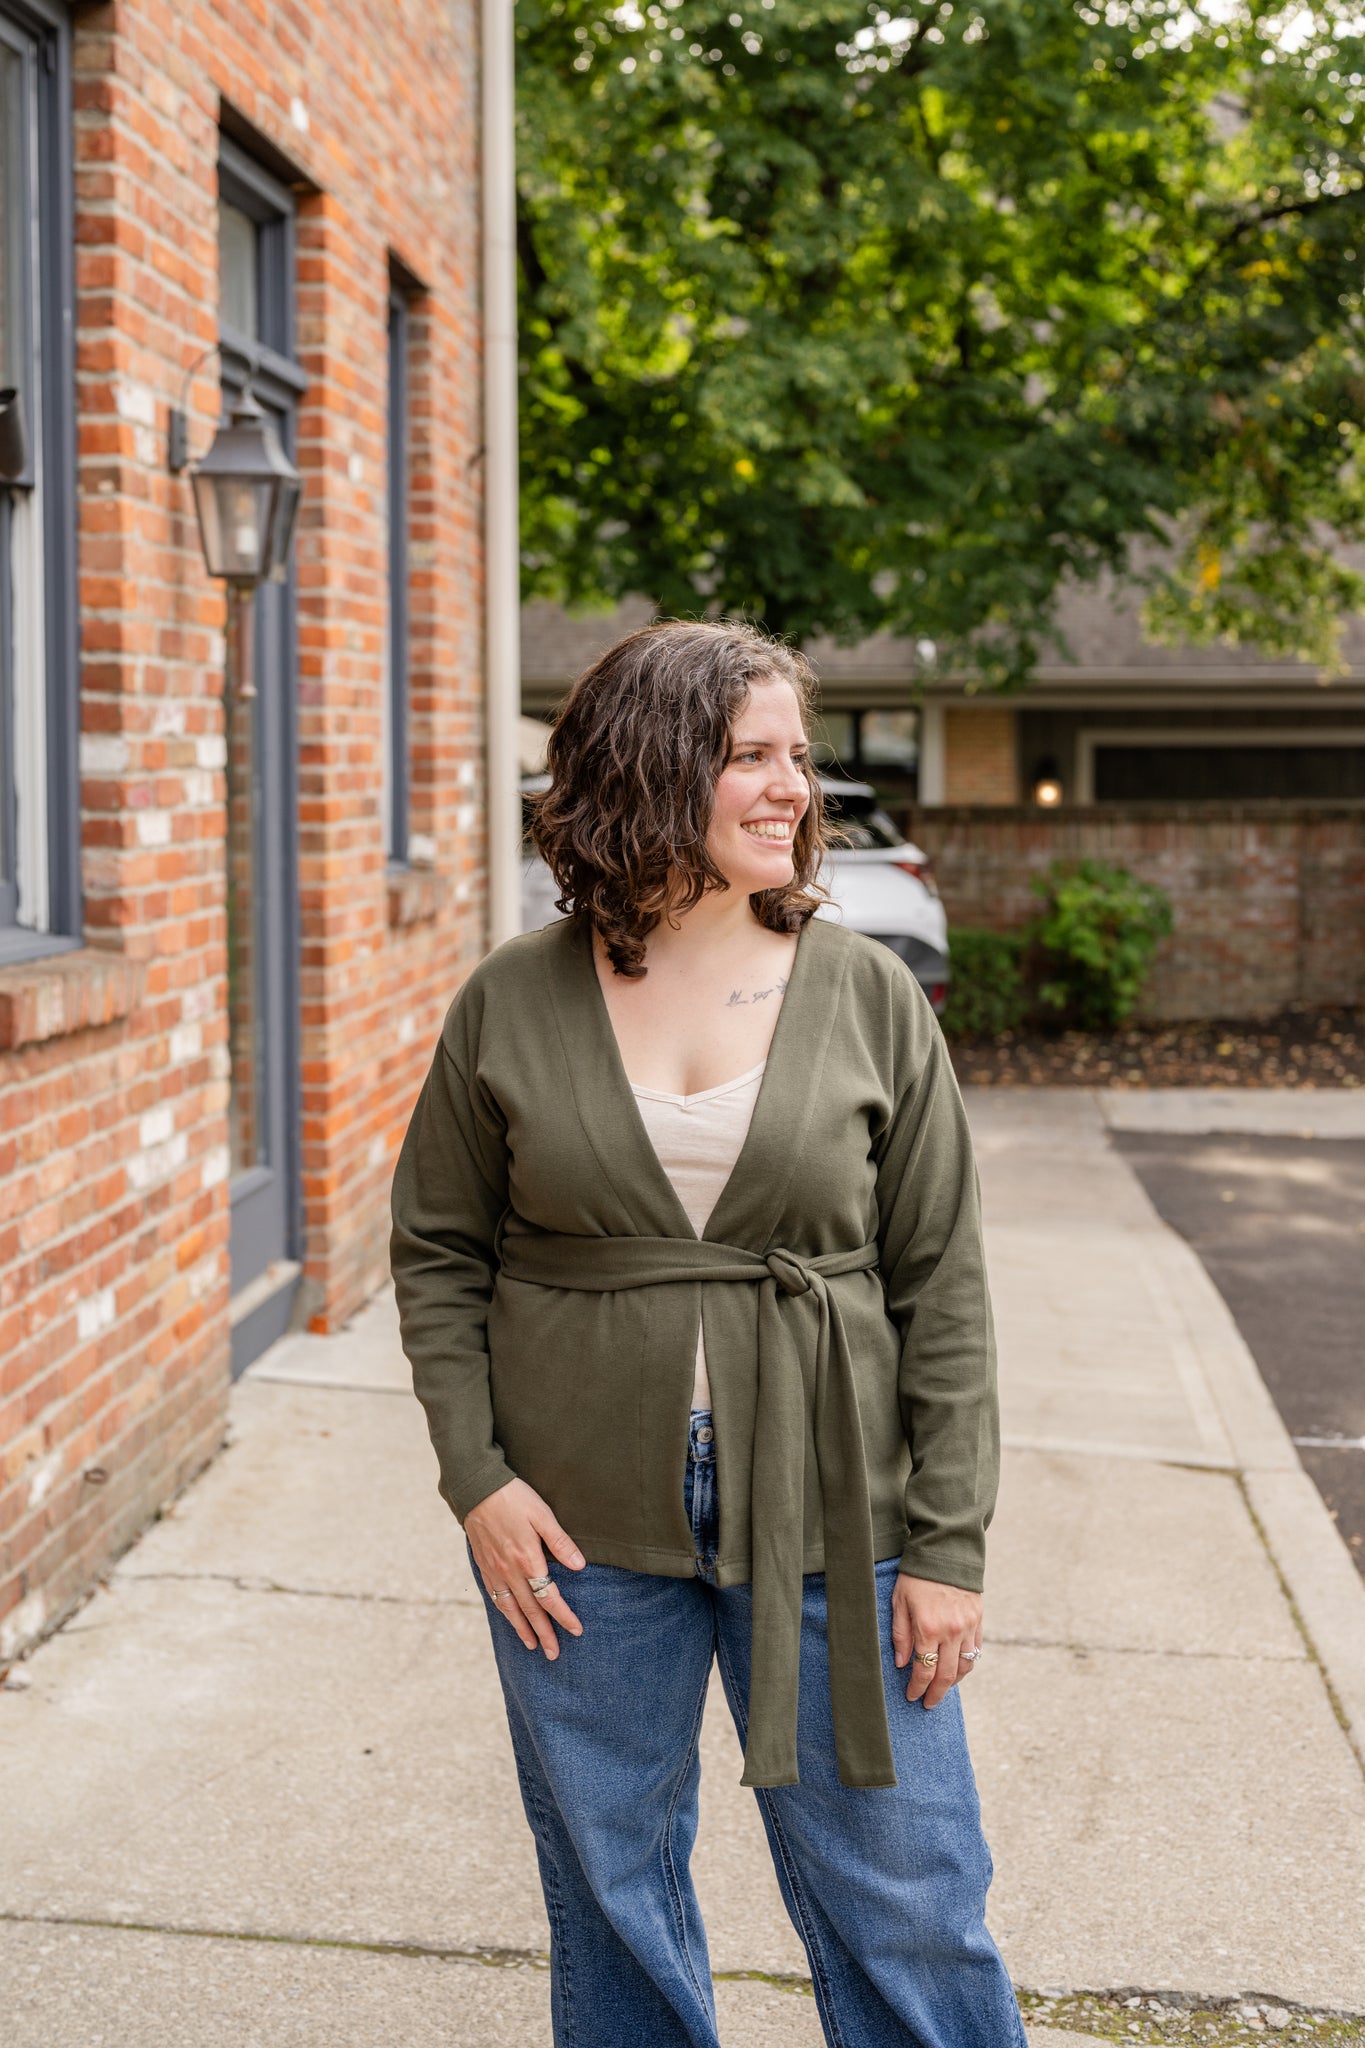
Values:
[(688, 1259)]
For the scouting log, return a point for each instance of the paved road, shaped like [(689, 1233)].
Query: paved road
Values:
[(1279, 1224)]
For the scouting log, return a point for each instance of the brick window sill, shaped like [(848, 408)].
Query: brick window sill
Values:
[(416, 895), (67, 992)]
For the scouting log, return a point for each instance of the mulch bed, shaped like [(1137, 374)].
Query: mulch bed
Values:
[(1301, 1048)]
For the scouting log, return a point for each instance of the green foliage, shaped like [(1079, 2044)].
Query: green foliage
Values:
[(866, 324), (986, 994), (1095, 940)]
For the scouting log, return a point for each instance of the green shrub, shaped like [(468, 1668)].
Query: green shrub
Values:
[(1095, 940), (986, 994)]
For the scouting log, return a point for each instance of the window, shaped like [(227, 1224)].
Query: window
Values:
[(39, 848), (879, 745), (395, 741), (239, 270), (1307, 763)]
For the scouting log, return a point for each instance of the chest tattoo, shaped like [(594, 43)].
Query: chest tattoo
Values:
[(758, 995)]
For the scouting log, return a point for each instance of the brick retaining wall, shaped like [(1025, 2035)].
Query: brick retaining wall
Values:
[(1269, 898)]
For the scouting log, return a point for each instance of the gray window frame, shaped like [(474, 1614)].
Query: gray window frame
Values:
[(397, 486), (279, 383), (44, 27)]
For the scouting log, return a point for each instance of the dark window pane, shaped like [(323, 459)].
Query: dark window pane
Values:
[(835, 738), (238, 265), (13, 247), (396, 690), (13, 225), (1175, 774), (890, 739), (246, 1125)]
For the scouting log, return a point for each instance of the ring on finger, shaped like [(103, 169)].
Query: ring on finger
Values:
[(969, 1656), (502, 1593), (541, 1585), (928, 1658)]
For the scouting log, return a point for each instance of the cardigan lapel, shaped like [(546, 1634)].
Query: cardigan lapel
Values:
[(751, 1201), (606, 1108)]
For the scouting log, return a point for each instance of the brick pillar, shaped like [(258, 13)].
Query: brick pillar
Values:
[(980, 755)]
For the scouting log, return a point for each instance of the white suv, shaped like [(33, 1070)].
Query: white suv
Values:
[(879, 883)]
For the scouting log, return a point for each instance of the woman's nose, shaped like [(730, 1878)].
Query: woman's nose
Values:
[(788, 785)]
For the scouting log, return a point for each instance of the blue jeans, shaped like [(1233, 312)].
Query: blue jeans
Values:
[(886, 1887)]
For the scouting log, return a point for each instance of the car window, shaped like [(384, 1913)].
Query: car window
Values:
[(859, 823)]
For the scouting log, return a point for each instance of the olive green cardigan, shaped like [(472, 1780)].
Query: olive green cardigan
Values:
[(549, 1285)]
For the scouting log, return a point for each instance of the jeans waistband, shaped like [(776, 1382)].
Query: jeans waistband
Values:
[(701, 1436)]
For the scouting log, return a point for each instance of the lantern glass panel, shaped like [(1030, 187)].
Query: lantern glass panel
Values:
[(235, 520), (282, 529)]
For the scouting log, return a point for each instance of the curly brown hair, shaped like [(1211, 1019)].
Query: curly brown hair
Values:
[(634, 758)]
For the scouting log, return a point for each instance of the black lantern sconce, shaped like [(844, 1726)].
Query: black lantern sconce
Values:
[(246, 497), (246, 494)]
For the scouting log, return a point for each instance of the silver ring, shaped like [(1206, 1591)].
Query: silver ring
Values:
[(542, 1585), (502, 1595), (970, 1656)]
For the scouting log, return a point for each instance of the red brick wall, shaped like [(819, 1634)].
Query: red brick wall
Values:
[(980, 754), (114, 1280), (1269, 898)]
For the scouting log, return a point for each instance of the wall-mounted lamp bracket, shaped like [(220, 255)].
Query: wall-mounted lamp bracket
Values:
[(14, 449), (177, 440)]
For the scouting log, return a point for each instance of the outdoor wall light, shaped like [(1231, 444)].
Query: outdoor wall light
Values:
[(1047, 784), (14, 467), (246, 493)]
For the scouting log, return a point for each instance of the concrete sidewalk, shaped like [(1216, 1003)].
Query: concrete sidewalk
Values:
[(258, 1790)]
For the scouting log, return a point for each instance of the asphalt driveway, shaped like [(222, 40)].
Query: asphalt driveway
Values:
[(1279, 1224)]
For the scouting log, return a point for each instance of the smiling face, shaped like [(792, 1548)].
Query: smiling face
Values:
[(762, 793)]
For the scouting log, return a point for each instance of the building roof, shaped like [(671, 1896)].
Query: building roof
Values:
[(1101, 623)]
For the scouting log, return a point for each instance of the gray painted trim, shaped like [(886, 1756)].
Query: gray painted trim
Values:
[(50, 25), (18, 946), (279, 382), (397, 477), (268, 1317)]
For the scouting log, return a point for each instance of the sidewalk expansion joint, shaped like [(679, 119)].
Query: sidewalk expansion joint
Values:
[(1182, 2019), (1172, 2019), (1136, 1453), (1354, 1738), (249, 1582), (324, 1386), (775, 1980), (1091, 1649), (418, 1951)]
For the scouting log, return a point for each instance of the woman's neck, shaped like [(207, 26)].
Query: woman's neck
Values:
[(722, 922), (706, 1007)]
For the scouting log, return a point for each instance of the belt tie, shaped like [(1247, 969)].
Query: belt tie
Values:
[(793, 1378)]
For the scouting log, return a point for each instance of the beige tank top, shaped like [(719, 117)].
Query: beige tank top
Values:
[(698, 1138)]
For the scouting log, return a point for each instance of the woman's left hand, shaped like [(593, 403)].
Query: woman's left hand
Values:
[(943, 1621)]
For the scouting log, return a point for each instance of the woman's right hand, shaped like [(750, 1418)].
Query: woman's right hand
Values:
[(509, 1532)]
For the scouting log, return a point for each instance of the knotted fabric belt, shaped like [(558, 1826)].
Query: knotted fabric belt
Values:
[(786, 1382)]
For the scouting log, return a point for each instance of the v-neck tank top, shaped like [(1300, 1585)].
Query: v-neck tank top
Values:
[(698, 1139)]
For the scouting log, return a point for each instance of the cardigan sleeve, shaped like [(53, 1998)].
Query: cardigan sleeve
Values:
[(449, 1195), (934, 1268)]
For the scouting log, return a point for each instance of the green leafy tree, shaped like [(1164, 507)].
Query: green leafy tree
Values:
[(860, 323)]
